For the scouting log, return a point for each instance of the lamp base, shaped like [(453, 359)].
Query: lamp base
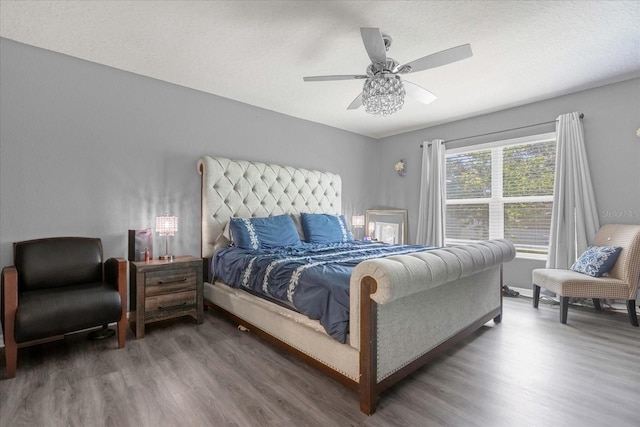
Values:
[(166, 257)]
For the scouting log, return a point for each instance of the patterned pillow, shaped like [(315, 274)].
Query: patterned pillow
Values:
[(264, 233), (325, 228), (596, 260)]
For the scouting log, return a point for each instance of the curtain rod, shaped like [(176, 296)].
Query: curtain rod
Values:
[(581, 116)]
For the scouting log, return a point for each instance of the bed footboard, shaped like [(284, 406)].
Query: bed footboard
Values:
[(407, 309)]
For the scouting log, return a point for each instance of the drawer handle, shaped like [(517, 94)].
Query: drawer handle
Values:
[(162, 282), (161, 307)]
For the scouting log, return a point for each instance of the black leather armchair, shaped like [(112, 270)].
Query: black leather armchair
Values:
[(60, 285)]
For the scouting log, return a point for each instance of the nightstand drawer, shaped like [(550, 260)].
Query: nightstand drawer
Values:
[(170, 301), (168, 281)]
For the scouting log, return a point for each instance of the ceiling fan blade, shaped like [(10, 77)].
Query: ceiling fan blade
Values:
[(356, 103), (336, 77), (374, 44), (418, 93), (437, 59)]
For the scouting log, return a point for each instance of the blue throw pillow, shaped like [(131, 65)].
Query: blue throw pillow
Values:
[(597, 260), (264, 233), (325, 228)]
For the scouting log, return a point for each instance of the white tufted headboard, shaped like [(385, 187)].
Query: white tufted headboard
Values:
[(251, 189)]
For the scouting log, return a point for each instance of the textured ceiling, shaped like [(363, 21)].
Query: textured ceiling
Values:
[(257, 52)]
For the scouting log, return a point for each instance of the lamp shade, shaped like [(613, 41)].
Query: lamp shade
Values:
[(357, 221), (166, 225)]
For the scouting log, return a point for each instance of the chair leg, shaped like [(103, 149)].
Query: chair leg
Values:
[(122, 331), (536, 295), (11, 356), (596, 304), (631, 308), (564, 309)]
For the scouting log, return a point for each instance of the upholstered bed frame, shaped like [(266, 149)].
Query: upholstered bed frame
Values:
[(404, 310)]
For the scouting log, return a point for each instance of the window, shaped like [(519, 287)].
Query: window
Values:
[(502, 190)]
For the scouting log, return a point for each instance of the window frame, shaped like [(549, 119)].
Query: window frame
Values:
[(497, 201)]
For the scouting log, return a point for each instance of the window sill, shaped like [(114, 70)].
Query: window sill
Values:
[(519, 255), (537, 257)]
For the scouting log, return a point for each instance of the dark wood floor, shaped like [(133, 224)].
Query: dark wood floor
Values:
[(528, 371)]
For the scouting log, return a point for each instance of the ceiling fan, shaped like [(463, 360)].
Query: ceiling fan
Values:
[(384, 91)]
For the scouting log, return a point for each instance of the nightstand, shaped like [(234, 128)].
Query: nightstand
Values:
[(160, 290)]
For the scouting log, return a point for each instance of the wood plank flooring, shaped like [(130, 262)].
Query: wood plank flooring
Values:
[(528, 371)]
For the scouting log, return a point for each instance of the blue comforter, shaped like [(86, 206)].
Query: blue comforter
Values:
[(312, 278)]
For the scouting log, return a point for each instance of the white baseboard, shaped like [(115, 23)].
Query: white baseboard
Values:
[(525, 292)]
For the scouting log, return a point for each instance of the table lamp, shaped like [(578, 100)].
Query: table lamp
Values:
[(166, 226)]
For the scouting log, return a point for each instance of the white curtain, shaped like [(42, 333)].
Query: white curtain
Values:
[(431, 211), (574, 217)]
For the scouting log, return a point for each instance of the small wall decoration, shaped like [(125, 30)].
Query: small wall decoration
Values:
[(401, 167)]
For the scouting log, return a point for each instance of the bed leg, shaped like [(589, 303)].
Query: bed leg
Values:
[(498, 318), (368, 407), (368, 347)]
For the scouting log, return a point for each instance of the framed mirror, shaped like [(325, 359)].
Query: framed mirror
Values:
[(386, 225)]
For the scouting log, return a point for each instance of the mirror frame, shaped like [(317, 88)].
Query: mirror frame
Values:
[(394, 216)]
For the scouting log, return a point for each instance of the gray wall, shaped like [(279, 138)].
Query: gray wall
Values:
[(89, 150), (612, 117)]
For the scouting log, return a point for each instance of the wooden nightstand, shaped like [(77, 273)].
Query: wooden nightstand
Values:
[(161, 290)]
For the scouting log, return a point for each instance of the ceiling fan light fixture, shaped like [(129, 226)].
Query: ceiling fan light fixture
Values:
[(383, 95), (383, 92)]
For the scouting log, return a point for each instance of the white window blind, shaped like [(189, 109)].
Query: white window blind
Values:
[(502, 190)]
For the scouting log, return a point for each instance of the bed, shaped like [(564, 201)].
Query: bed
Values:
[(403, 309)]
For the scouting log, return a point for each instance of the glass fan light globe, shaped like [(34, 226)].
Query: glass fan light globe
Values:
[(383, 95)]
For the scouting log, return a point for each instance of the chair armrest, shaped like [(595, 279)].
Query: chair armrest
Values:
[(115, 270), (9, 293)]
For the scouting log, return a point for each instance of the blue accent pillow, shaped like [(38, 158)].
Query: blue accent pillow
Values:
[(325, 228), (264, 233), (596, 260)]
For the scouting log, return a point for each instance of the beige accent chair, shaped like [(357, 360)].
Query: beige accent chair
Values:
[(620, 283)]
